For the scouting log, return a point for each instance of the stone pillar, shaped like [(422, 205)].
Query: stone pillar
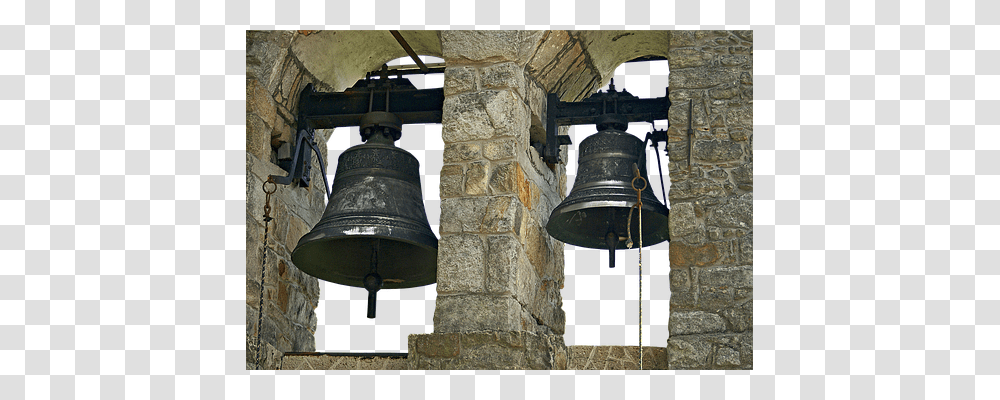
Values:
[(711, 216), (499, 272), (290, 296)]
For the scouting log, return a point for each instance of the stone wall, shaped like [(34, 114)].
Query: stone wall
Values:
[(711, 216), (498, 270), (274, 79)]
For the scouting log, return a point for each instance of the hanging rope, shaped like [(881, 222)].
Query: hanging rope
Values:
[(628, 243), (258, 350)]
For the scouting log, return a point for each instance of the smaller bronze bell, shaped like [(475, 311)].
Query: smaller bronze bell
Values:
[(595, 214), (374, 233)]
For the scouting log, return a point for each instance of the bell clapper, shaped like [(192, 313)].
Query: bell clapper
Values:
[(612, 239), (373, 281)]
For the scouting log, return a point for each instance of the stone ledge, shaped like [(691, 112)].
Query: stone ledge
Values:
[(342, 361), (487, 350), (616, 357)]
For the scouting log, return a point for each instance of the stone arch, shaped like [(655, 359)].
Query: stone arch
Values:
[(340, 58)]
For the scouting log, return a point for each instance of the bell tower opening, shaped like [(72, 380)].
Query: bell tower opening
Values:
[(601, 303), (342, 323)]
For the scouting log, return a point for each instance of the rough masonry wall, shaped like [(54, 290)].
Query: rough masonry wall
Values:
[(274, 79), (711, 216), (498, 270)]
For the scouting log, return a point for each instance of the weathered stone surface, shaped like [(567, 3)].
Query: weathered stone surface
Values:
[(504, 76), (260, 102), (459, 152), (322, 361), (461, 264), (727, 358), (452, 181), (459, 79), (503, 214), (616, 358), (740, 317), (465, 119), (700, 188), (743, 174), (740, 117), (500, 149), (476, 179), (714, 298), (483, 115), (682, 255), (502, 262), (695, 322), (680, 280), (717, 151), (687, 352), (475, 312), (496, 46), (488, 351), (736, 212), (258, 137), (702, 78), (687, 58), (683, 221), (462, 214), (739, 276)]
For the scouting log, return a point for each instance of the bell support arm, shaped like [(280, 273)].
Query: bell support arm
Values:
[(319, 110), (562, 113)]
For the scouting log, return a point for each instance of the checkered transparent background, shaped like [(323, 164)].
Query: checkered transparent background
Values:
[(122, 168)]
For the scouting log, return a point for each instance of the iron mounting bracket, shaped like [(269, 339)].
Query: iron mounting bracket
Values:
[(328, 110), (590, 110)]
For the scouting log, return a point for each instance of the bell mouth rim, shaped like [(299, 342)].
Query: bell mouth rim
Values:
[(359, 283), (560, 216)]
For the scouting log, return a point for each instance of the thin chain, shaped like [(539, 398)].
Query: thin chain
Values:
[(263, 267), (628, 243)]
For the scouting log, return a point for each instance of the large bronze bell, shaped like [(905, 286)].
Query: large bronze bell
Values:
[(374, 233), (595, 214)]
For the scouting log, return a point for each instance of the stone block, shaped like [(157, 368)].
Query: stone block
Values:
[(725, 91), (735, 212), (688, 352), (616, 358), (452, 181), (683, 221), (717, 151), (508, 115), (475, 312), (463, 214), (682, 255), (464, 117), (536, 245), (727, 358), (296, 229), (476, 178), (506, 178), (695, 322), (503, 214), (459, 79), (683, 300), (737, 277), (740, 117), (461, 264), (492, 46), (734, 60), (487, 350), (260, 102), (502, 264), (714, 298), (702, 78), (504, 76), (680, 280), (688, 58), (740, 317), (459, 152), (500, 149), (435, 345), (700, 188)]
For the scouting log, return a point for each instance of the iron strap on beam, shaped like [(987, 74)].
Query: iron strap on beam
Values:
[(589, 111), (320, 110)]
